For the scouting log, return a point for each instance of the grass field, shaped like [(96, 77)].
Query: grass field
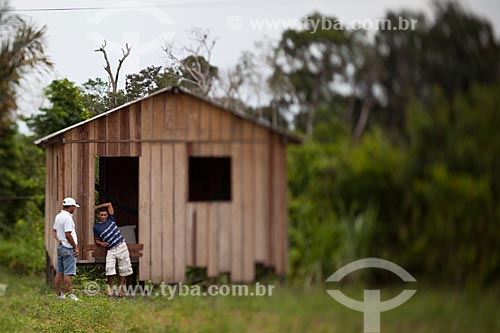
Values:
[(28, 305)]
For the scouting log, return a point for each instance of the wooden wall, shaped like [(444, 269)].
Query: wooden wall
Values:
[(70, 169), (52, 198), (164, 130)]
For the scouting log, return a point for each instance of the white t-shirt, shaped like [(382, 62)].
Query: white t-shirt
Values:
[(64, 223)]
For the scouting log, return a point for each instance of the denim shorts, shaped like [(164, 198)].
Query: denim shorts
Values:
[(66, 261)]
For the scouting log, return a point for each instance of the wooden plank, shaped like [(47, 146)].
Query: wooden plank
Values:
[(99, 252), (213, 221), (135, 128), (261, 200), (48, 197), (213, 240), (74, 164), (102, 254), (266, 198), (169, 119), (236, 128), (49, 202), (237, 207), (180, 186), (260, 203), (53, 201), (86, 186), (91, 180), (215, 123), (284, 209), (80, 223), (157, 207), (147, 119), (225, 126), (60, 172), (67, 178), (193, 106), (277, 232), (145, 211), (113, 133), (131, 247), (132, 128), (101, 134), (272, 189), (203, 208), (194, 149), (181, 117), (201, 234), (224, 235), (158, 115), (48, 213), (248, 203), (226, 223), (76, 180), (205, 115), (204, 149), (55, 205), (190, 215), (167, 203), (124, 148)]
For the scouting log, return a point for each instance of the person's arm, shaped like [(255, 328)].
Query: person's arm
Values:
[(101, 243), (70, 239), (109, 206), (54, 234)]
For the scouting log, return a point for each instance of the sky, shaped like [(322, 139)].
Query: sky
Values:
[(73, 35)]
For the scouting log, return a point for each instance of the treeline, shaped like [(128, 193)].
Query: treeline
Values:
[(406, 167), (429, 202)]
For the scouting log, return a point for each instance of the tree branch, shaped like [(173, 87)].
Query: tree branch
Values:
[(113, 79)]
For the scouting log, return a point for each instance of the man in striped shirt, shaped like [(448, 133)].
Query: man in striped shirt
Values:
[(107, 235)]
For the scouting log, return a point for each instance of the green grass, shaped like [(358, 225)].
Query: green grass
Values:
[(29, 305)]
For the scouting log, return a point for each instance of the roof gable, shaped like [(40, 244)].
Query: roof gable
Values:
[(176, 90)]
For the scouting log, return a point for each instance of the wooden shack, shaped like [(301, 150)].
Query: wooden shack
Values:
[(204, 186)]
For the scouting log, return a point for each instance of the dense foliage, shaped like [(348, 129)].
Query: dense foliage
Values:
[(430, 204), (420, 187)]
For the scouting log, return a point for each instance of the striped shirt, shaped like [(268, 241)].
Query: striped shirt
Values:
[(108, 232)]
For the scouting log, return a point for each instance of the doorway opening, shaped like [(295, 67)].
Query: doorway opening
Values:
[(117, 181)]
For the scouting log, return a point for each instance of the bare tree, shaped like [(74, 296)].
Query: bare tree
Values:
[(364, 83), (113, 79), (192, 63), (236, 84), (229, 83), (245, 86)]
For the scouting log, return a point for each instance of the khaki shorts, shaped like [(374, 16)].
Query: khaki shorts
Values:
[(118, 253)]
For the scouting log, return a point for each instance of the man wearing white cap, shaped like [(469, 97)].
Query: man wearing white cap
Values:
[(67, 247)]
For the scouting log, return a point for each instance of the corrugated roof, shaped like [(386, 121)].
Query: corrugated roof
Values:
[(292, 137)]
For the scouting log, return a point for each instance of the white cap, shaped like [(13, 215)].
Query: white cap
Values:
[(70, 202)]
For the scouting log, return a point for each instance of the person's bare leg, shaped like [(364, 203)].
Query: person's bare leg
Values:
[(121, 292), (110, 284), (59, 280), (67, 282)]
